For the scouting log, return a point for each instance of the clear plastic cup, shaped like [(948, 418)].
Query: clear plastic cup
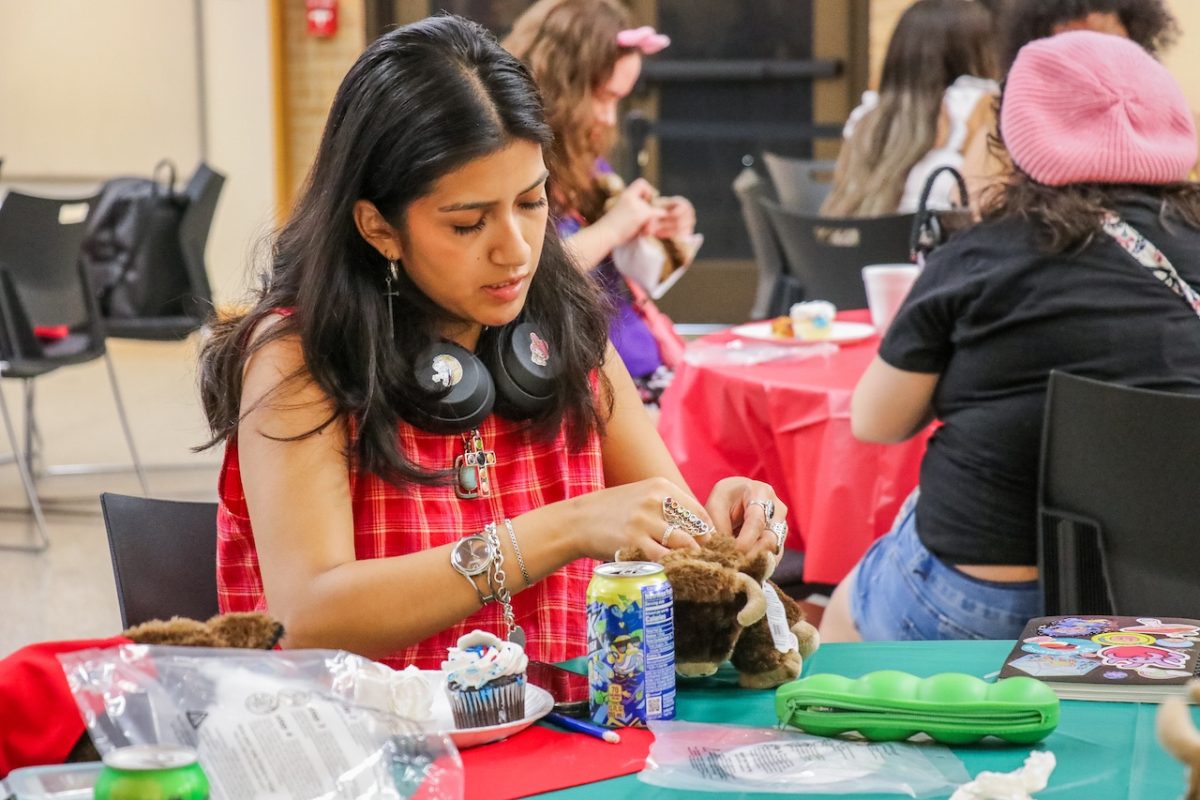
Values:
[(887, 285)]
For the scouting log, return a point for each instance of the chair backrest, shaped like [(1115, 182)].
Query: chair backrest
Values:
[(203, 191), (40, 241), (827, 254), (164, 557), (800, 184), (768, 256), (1118, 506)]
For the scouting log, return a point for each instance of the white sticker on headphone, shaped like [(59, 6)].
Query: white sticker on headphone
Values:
[(539, 351), (446, 370)]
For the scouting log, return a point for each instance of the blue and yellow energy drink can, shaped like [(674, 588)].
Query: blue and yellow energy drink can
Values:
[(631, 644)]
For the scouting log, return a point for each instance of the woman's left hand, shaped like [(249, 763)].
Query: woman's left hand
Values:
[(739, 506), (678, 221)]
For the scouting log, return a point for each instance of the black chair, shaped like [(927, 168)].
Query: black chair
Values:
[(1118, 507), (43, 283), (164, 557), (800, 184), (202, 192), (777, 289), (827, 254)]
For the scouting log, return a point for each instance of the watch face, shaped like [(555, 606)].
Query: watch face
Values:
[(471, 555)]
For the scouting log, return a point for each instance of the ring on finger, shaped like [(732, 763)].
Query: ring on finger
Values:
[(768, 507), (671, 526), (679, 516), (780, 529)]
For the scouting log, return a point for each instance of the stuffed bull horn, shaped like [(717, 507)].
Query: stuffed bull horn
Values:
[(756, 602)]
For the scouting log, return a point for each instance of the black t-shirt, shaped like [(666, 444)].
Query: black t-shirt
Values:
[(992, 315)]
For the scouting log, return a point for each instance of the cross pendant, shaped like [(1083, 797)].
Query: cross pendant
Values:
[(473, 468)]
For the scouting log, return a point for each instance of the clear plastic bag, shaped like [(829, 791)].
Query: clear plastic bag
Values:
[(729, 758), (267, 724)]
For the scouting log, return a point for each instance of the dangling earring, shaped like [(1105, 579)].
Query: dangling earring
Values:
[(390, 292)]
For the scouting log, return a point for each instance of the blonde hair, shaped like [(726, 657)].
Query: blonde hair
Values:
[(570, 46), (935, 42)]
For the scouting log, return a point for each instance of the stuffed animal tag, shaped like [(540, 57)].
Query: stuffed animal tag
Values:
[(785, 641)]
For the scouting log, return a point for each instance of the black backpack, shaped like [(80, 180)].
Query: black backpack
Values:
[(132, 250)]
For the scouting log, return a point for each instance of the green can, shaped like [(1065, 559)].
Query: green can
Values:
[(152, 772)]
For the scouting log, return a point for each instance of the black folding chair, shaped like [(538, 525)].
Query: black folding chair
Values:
[(777, 289), (42, 283), (164, 557), (827, 254), (801, 184), (1118, 508)]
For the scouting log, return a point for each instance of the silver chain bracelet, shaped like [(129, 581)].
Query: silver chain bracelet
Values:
[(497, 578)]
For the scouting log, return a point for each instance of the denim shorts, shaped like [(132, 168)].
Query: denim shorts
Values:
[(902, 591)]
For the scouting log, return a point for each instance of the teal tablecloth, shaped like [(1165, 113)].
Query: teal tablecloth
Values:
[(1104, 750)]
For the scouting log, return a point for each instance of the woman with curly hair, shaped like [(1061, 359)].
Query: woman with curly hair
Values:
[(586, 56), (1146, 22)]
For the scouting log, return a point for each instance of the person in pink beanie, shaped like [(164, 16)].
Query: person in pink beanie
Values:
[(1057, 276)]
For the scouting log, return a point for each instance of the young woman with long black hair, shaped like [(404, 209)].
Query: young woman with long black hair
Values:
[(421, 411)]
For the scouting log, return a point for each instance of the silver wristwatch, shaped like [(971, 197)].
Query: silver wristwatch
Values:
[(472, 557)]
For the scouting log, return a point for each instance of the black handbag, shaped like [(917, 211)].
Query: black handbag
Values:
[(930, 227)]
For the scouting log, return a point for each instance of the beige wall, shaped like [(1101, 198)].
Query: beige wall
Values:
[(89, 90), (86, 94), (240, 136)]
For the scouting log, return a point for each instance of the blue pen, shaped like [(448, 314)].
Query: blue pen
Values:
[(582, 726)]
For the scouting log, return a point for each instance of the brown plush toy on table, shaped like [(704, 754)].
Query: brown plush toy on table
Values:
[(722, 614)]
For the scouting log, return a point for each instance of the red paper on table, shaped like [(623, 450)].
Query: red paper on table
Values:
[(540, 759)]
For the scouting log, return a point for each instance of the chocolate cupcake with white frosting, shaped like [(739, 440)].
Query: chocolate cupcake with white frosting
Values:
[(485, 680)]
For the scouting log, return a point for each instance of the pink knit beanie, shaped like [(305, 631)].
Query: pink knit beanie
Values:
[(1086, 107)]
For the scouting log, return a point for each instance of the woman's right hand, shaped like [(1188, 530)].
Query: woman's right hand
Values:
[(631, 515), (633, 212)]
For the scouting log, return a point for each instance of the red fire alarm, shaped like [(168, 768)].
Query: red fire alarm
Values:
[(322, 17)]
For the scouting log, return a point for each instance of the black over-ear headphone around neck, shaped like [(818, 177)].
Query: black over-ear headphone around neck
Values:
[(512, 374)]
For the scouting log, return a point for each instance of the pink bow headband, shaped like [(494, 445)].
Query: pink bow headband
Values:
[(645, 38)]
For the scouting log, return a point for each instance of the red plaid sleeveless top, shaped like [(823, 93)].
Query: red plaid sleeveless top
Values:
[(392, 521)]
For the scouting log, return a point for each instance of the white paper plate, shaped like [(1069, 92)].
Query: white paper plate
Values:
[(843, 333), (538, 704)]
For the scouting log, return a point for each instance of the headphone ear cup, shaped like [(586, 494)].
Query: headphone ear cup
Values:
[(523, 368), (461, 385)]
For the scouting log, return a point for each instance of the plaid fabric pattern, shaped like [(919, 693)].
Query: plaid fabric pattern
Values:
[(392, 521)]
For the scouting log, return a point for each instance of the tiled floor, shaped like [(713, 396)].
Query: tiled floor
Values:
[(67, 591)]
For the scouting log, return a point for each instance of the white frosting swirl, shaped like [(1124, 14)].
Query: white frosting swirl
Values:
[(479, 658)]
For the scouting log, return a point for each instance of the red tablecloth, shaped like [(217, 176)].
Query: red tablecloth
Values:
[(787, 422)]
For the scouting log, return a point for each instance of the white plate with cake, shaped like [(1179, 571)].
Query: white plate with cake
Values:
[(776, 333)]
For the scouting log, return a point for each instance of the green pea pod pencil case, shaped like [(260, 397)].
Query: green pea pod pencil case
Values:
[(952, 708)]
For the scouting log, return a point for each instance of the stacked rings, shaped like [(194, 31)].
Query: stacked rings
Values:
[(768, 507), (780, 529), (679, 517)]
